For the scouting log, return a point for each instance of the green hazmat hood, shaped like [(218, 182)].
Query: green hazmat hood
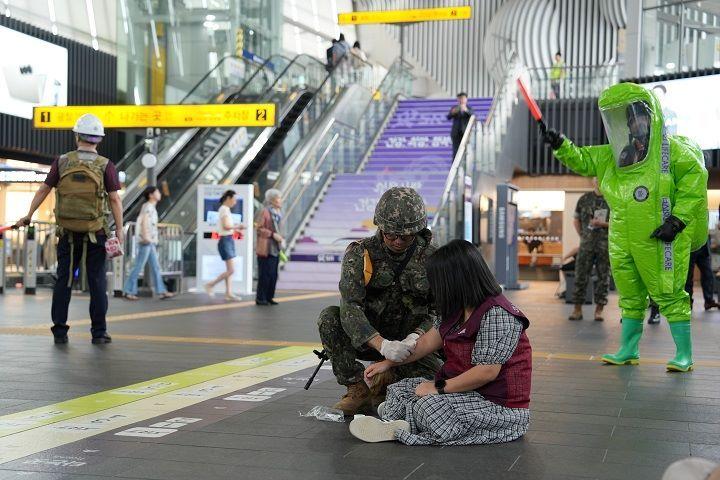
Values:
[(633, 122)]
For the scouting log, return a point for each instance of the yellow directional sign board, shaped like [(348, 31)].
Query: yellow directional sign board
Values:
[(159, 116), (404, 16)]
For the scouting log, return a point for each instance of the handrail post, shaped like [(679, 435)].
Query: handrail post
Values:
[(30, 265), (118, 263), (2, 263)]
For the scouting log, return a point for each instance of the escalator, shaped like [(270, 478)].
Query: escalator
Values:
[(302, 93), (180, 152), (230, 75)]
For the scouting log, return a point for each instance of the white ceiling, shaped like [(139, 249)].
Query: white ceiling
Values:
[(71, 19)]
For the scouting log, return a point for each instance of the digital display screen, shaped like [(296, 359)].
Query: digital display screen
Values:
[(691, 107), (211, 207), (33, 73)]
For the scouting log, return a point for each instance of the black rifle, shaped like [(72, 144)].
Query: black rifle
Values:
[(322, 356)]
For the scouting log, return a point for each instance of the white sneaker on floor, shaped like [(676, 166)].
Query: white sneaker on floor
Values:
[(231, 297), (381, 409), (209, 289), (371, 429)]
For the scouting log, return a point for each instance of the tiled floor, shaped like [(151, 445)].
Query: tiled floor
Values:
[(589, 420)]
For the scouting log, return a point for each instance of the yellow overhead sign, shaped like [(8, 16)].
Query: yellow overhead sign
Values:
[(160, 116), (403, 16)]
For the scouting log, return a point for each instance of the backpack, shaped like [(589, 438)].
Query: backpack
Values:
[(81, 199)]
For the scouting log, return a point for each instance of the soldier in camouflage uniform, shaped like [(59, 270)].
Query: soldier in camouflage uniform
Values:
[(592, 215), (386, 303)]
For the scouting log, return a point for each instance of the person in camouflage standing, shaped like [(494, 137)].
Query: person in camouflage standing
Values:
[(592, 215), (385, 300)]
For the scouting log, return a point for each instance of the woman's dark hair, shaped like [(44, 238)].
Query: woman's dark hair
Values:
[(149, 190), (342, 37), (226, 195), (459, 278), (356, 44)]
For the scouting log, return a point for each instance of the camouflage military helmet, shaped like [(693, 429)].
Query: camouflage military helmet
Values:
[(400, 210)]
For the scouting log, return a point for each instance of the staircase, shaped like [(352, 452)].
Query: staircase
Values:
[(414, 150)]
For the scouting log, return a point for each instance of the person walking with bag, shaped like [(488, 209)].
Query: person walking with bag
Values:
[(226, 245), (147, 251), (85, 183), (269, 247)]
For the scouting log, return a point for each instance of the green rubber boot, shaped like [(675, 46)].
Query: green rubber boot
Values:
[(683, 343), (628, 353)]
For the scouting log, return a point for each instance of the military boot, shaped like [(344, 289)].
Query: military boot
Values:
[(683, 343), (628, 353), (357, 399)]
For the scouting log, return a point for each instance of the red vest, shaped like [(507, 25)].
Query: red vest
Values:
[(511, 388)]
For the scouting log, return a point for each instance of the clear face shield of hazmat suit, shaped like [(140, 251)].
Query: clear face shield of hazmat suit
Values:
[(649, 179), (628, 130)]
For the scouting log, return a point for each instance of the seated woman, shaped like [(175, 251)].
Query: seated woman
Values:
[(482, 393)]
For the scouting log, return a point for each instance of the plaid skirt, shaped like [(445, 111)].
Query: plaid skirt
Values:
[(452, 419)]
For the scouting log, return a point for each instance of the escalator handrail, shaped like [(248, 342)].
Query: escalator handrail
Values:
[(131, 203), (237, 94), (212, 70), (290, 183), (268, 92), (330, 73), (201, 171), (260, 68)]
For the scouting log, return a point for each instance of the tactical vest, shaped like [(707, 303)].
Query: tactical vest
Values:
[(511, 388), (81, 200), (380, 277)]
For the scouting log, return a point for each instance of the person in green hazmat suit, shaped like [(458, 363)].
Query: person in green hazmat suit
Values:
[(656, 187)]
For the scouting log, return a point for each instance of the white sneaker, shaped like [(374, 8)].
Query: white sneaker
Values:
[(381, 410), (230, 297), (209, 289), (371, 429)]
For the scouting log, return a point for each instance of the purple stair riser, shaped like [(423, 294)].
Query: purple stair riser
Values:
[(414, 150)]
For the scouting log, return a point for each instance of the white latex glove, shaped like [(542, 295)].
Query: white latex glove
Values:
[(395, 350), (411, 340)]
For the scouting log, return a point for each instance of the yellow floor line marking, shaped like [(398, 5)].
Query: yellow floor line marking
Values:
[(593, 358), (66, 422), (171, 339), (176, 311), (291, 343)]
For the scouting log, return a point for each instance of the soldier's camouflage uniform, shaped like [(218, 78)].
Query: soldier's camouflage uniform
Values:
[(386, 306), (593, 249)]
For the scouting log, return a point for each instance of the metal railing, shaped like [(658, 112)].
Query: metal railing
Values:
[(447, 220), (46, 242), (230, 75), (169, 250), (576, 81), (304, 74), (342, 148), (16, 258), (478, 155)]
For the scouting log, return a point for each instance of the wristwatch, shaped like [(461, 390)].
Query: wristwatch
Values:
[(440, 386)]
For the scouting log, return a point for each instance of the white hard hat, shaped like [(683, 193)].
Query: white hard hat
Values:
[(89, 124)]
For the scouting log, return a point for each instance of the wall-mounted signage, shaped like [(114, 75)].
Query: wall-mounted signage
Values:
[(160, 116), (22, 176), (405, 16)]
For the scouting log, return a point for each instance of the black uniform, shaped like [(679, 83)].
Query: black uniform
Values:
[(460, 122)]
